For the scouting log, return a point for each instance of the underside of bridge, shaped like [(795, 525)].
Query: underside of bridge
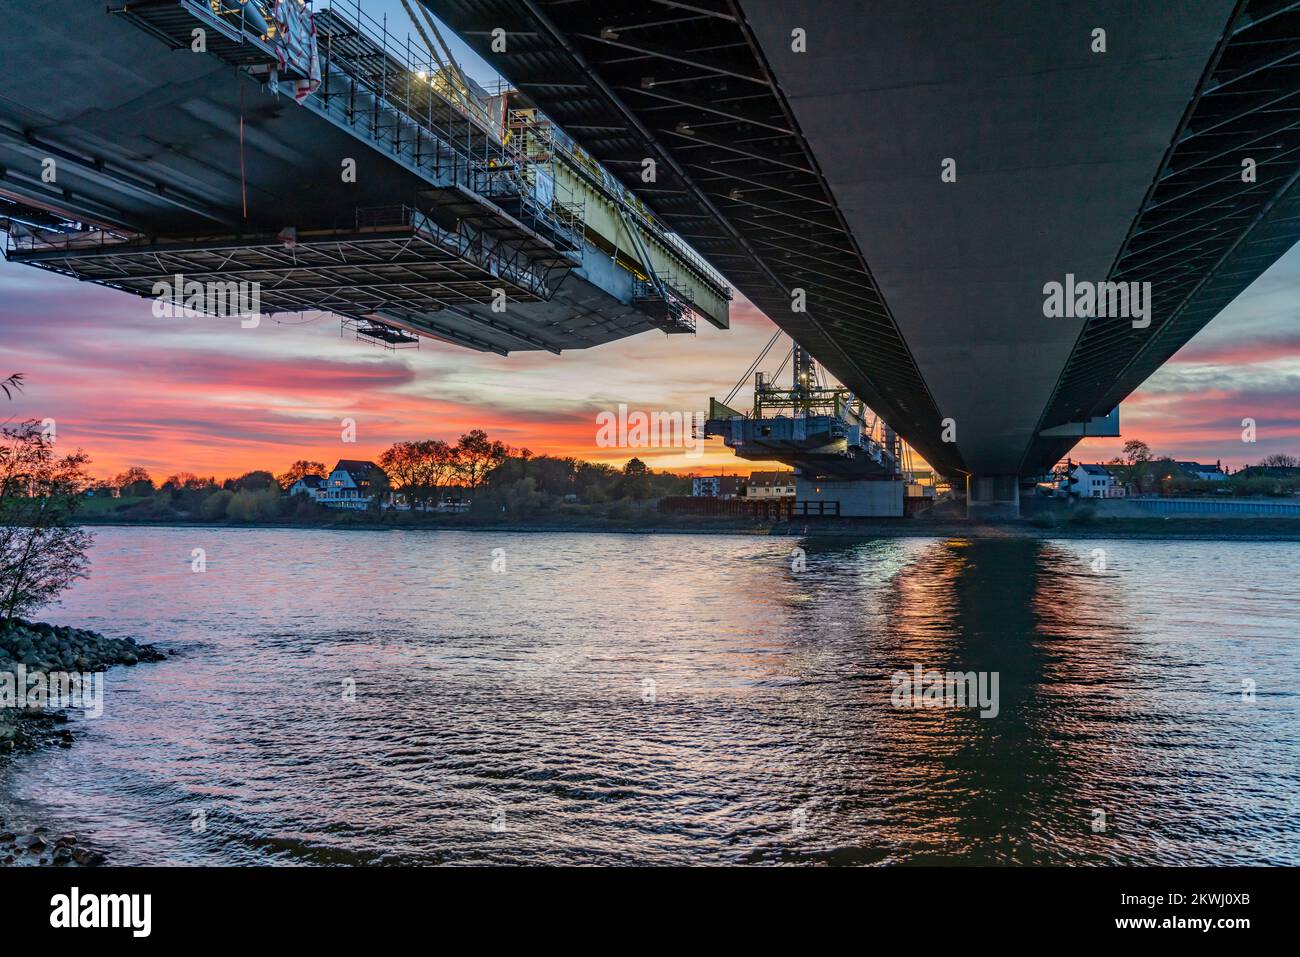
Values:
[(132, 154), (804, 146)]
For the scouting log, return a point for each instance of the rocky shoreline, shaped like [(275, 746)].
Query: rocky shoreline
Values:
[(39, 649)]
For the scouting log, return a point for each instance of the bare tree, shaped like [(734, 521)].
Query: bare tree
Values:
[(41, 551), (301, 469), (1280, 460), (1136, 452), (419, 469)]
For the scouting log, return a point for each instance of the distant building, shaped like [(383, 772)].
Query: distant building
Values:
[(312, 485), (1095, 481), (1269, 471), (1204, 473), (715, 486), (770, 485), (354, 484)]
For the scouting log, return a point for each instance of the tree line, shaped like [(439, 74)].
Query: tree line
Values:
[(483, 473), (417, 468)]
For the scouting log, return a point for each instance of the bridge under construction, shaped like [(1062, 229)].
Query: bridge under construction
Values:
[(843, 454), (313, 155), (899, 185), (904, 189)]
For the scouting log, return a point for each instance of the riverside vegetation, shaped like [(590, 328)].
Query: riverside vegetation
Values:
[(42, 552), (473, 481)]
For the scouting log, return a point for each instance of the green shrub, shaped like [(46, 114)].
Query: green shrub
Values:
[(249, 506), (213, 508), (1083, 515)]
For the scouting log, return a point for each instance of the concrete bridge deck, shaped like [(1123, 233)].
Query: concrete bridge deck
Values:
[(805, 147), (126, 154)]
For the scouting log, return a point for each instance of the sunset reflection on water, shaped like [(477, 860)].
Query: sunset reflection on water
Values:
[(666, 698)]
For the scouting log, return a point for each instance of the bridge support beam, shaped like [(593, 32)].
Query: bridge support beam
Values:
[(992, 497)]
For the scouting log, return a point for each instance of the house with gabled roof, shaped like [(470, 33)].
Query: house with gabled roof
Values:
[(312, 485), (1095, 481), (354, 483), (1203, 473)]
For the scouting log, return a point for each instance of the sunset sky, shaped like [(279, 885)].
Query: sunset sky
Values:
[(206, 396), (210, 397)]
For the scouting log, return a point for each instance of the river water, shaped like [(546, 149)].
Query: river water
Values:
[(342, 697)]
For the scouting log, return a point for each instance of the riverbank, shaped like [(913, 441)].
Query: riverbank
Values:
[(1213, 528), (33, 651), (1244, 529)]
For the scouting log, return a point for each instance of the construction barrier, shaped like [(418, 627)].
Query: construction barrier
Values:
[(766, 509)]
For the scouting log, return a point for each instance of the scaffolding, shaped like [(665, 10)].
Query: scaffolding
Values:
[(379, 333), (504, 208), (388, 259), (405, 103), (818, 429)]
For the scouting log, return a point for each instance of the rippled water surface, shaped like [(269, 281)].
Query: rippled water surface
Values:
[(670, 699)]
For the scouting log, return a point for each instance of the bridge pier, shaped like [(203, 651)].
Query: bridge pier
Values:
[(992, 497), (850, 498)]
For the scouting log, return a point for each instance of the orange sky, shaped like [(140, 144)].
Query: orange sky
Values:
[(206, 396)]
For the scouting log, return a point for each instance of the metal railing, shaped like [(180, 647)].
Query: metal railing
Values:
[(583, 162), (409, 96), (27, 240), (402, 70)]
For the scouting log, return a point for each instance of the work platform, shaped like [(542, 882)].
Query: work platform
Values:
[(823, 432), (352, 174), (847, 461), (395, 264)]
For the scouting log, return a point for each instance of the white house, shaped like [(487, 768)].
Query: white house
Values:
[(354, 484), (1205, 473), (1095, 481), (312, 485)]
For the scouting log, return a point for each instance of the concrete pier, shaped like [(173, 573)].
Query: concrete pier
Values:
[(880, 498), (992, 497)]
